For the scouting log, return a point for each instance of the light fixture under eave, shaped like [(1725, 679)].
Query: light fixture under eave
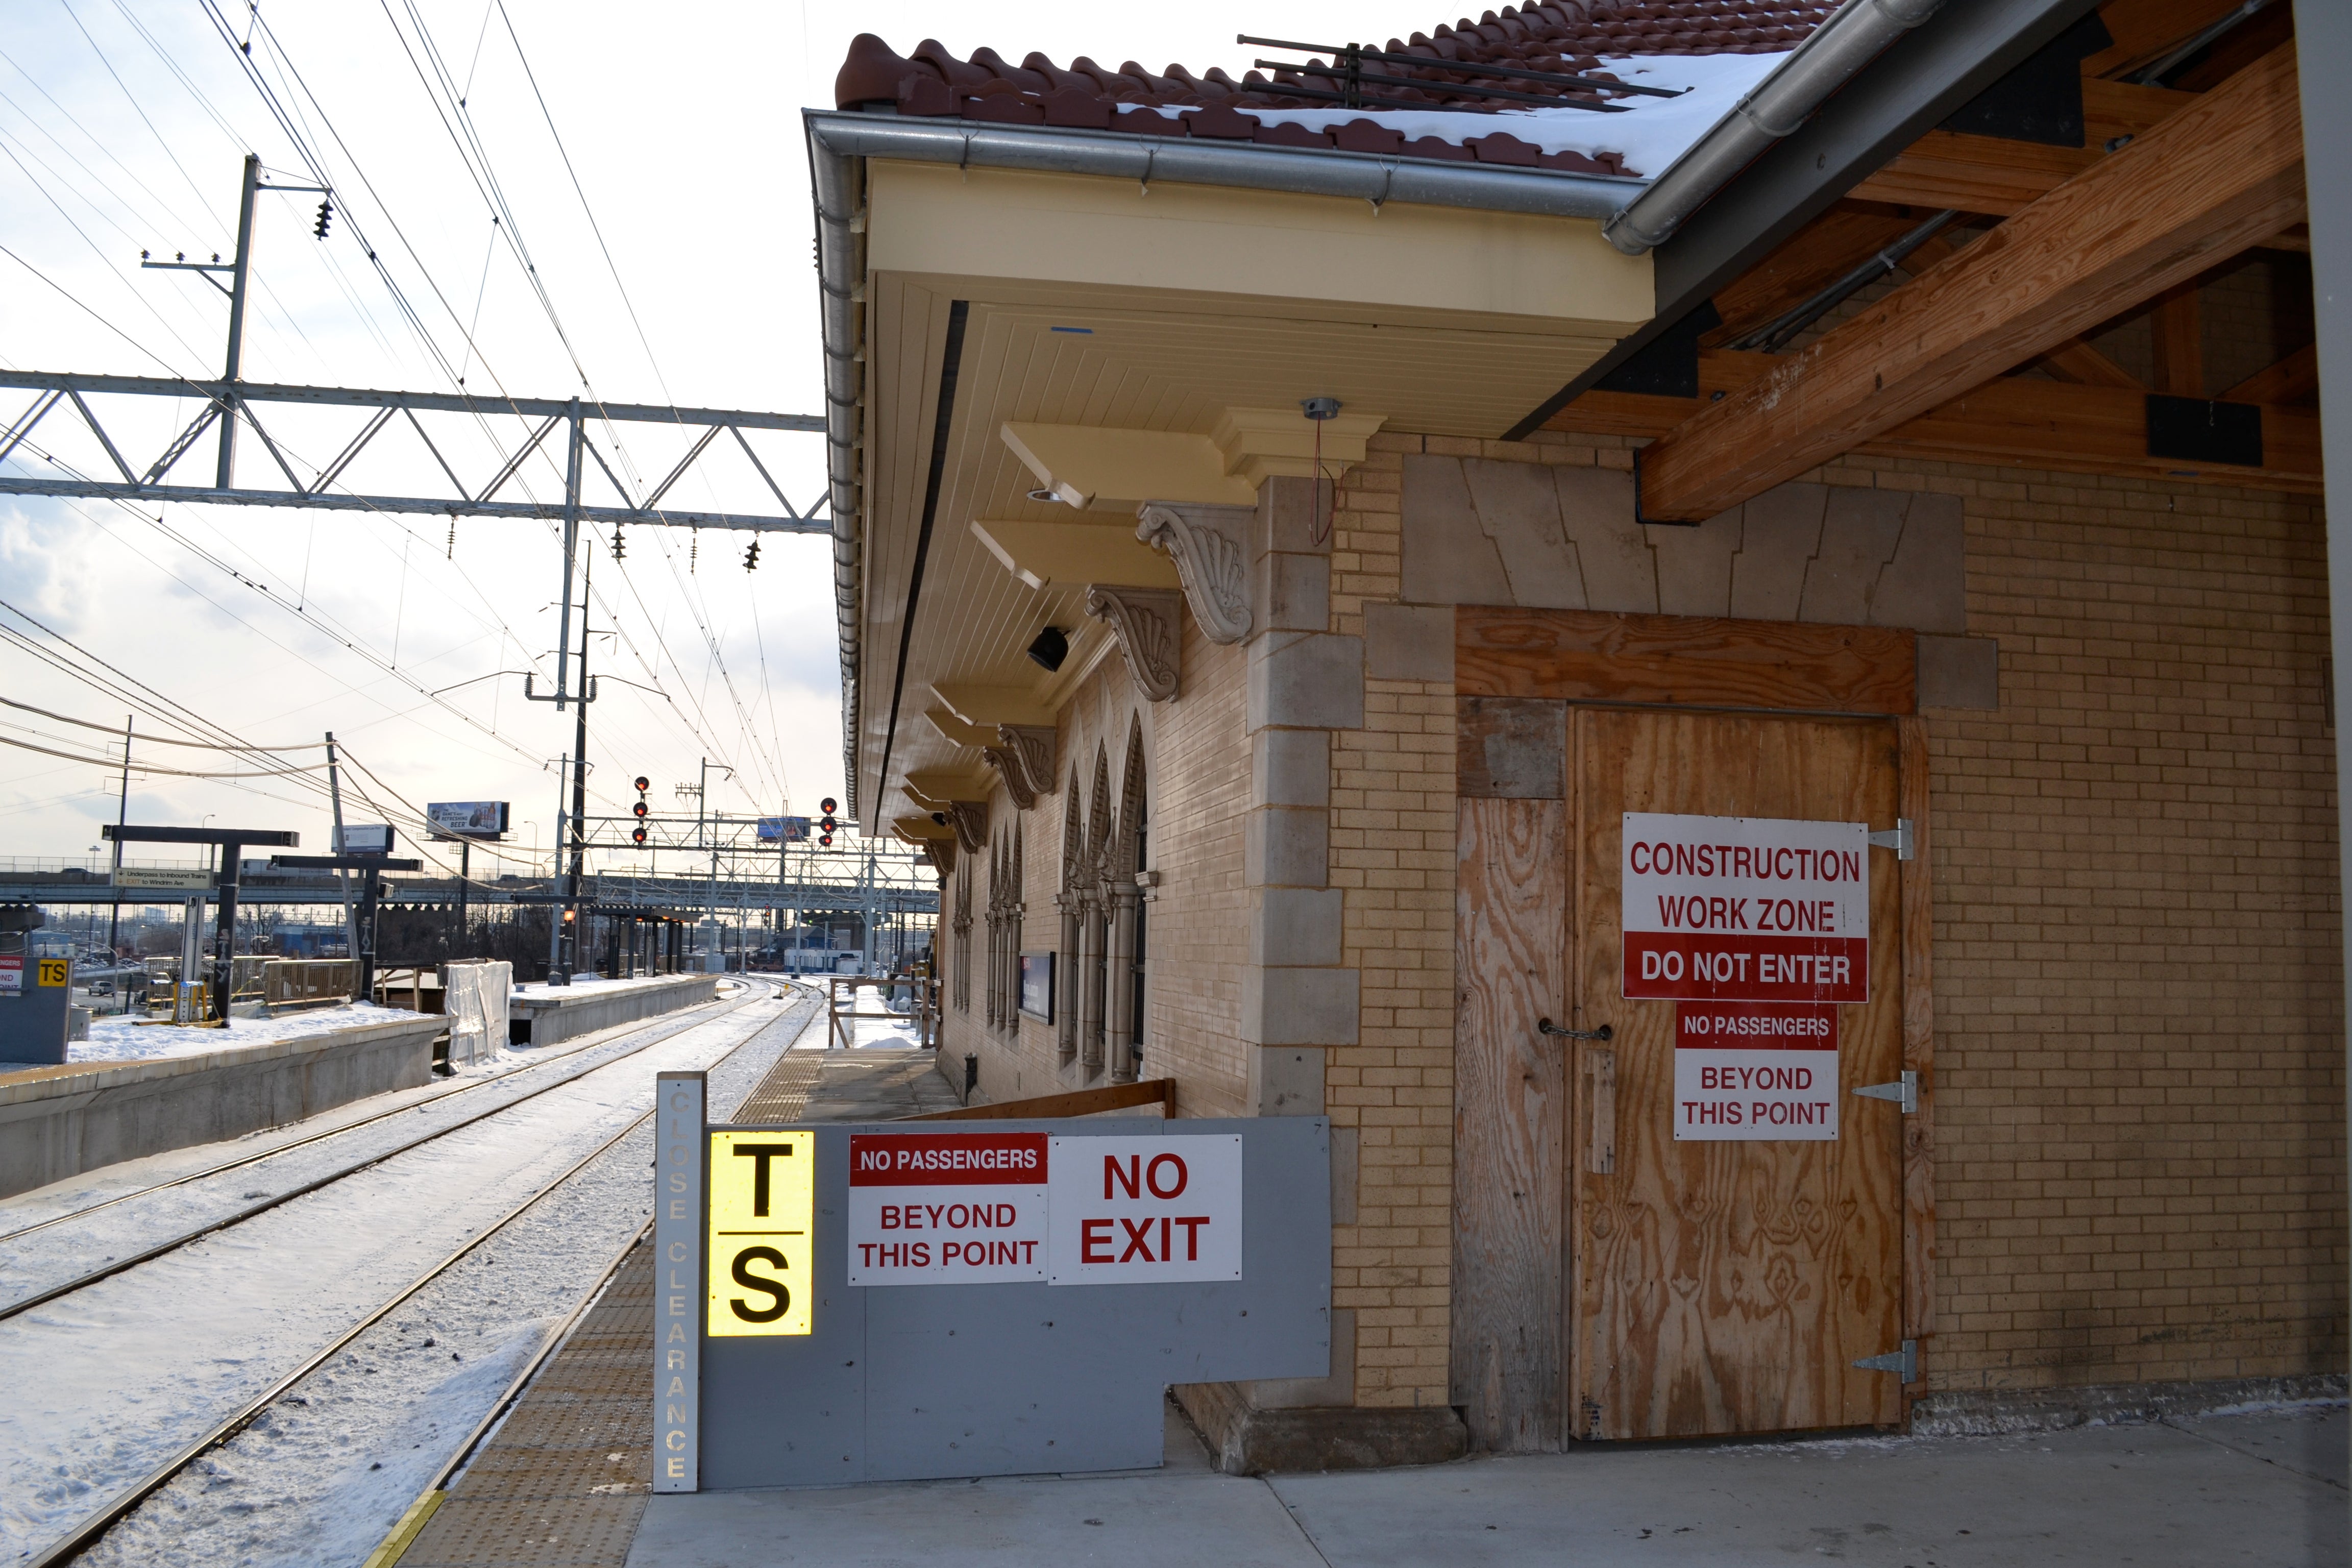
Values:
[(1050, 648)]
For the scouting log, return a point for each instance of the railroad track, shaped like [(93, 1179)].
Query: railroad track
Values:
[(94, 1526), (572, 1064)]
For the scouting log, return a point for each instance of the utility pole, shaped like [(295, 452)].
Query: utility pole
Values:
[(122, 816), (342, 879), (555, 910), (579, 763), (225, 478)]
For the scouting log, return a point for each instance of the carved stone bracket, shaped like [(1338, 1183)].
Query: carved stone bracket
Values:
[(942, 854), (970, 818), (1145, 621), (1035, 748), (1209, 544), (1016, 779)]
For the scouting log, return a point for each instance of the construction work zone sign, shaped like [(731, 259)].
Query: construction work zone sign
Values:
[(1135, 1211), (1745, 1071), (946, 1208), (763, 1202), (1745, 909)]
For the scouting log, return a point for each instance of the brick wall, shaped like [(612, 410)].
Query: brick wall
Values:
[(2138, 994), (1392, 856), (1197, 773)]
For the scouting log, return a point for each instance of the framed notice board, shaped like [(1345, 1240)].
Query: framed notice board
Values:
[(1037, 986)]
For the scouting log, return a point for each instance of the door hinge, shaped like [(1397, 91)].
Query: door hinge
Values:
[(1905, 1093), (1904, 1362), (1897, 838)]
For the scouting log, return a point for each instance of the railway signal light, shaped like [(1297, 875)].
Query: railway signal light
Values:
[(637, 835), (326, 211)]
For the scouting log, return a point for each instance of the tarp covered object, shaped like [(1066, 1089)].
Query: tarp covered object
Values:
[(475, 999)]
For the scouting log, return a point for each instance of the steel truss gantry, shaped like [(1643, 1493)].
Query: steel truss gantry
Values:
[(237, 399)]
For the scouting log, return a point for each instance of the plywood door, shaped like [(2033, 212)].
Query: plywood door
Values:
[(1510, 1112), (1728, 1287)]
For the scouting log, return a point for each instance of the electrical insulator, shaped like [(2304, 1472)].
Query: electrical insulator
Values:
[(326, 211), (751, 557), (620, 545)]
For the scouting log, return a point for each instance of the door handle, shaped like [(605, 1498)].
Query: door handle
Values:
[(1546, 1027)]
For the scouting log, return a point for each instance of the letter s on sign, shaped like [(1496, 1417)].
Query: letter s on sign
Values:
[(742, 1276)]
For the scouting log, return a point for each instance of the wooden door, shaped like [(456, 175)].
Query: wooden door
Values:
[(1724, 1286)]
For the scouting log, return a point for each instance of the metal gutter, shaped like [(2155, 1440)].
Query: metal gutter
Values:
[(839, 141), (1856, 33)]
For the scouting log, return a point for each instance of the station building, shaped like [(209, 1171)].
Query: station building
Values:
[(1289, 528)]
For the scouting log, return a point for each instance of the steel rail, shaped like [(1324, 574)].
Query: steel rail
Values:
[(132, 1260), (88, 1532), (569, 1058)]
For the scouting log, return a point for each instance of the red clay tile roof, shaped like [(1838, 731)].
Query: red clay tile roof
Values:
[(1563, 37)]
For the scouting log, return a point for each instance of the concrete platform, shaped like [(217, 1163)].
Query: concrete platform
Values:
[(2253, 1488), (58, 1122), (558, 1012)]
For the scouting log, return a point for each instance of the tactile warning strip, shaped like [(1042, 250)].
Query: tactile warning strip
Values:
[(784, 1093), (562, 1482)]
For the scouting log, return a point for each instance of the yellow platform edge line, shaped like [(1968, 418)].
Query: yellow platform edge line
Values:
[(405, 1533)]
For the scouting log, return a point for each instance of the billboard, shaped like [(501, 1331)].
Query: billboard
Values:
[(366, 838), (467, 818), (784, 829)]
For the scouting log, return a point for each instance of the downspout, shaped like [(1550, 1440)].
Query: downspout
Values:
[(1855, 34), (836, 183)]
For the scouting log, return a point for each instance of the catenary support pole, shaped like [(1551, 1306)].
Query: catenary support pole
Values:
[(121, 816), (579, 783), (342, 879), (2323, 38), (233, 367)]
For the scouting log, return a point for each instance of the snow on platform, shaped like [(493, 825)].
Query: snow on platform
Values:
[(128, 1040)]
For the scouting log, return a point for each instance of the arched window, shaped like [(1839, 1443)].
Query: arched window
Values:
[(1124, 859), (1069, 901)]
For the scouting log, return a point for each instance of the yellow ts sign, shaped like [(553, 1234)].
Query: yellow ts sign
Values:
[(762, 1196)]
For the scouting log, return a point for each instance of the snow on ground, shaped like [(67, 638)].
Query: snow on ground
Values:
[(63, 1250), (299, 1487), (1651, 135), (119, 1039), (107, 1383)]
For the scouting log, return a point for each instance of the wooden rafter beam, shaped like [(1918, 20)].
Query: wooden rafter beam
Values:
[(2220, 176), (2014, 421), (1993, 175), (2077, 360), (2291, 380)]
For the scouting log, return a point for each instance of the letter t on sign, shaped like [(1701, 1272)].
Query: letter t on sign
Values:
[(679, 1159)]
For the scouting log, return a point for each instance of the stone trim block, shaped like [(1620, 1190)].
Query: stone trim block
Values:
[(1290, 767), (1297, 926), (1286, 1006), (1286, 1081), (1287, 846), (1408, 642), (1306, 681)]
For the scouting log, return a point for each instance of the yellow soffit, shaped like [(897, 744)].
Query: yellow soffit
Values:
[(1087, 466), (957, 732), (989, 706), (946, 785), (920, 827), (922, 801), (1043, 553), (1258, 444)]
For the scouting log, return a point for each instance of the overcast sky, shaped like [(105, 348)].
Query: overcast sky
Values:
[(678, 271)]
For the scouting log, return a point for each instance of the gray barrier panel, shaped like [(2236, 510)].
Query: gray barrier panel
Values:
[(899, 1382)]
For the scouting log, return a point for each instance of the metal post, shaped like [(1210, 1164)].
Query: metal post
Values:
[(578, 780), (121, 816), (225, 478), (342, 879), (570, 549), (369, 889), (225, 930), (555, 910), (465, 871)]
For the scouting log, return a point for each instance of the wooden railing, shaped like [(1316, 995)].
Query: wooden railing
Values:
[(1077, 1102)]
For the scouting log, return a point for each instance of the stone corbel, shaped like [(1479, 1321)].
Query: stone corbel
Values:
[(1146, 623), (942, 853), (1035, 748), (1016, 778), (1210, 547), (970, 819)]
